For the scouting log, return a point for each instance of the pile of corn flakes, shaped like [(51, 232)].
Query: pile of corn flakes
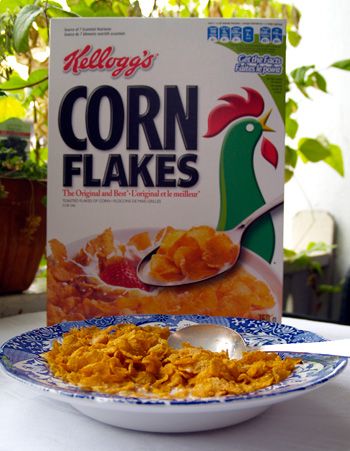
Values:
[(80, 287), (194, 254), (134, 360)]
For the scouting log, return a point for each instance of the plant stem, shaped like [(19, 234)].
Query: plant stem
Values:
[(29, 85)]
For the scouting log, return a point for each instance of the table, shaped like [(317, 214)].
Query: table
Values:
[(318, 420)]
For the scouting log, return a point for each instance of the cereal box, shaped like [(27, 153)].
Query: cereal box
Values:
[(166, 167)]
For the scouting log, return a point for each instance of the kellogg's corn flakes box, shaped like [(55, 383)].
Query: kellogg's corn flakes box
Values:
[(166, 141)]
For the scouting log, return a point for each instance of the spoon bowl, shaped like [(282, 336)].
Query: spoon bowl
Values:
[(218, 338), (236, 235), (210, 336)]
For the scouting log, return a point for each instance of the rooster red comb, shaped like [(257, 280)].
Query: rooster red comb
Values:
[(236, 107)]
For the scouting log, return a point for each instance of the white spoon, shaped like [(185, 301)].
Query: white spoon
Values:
[(236, 234), (220, 338)]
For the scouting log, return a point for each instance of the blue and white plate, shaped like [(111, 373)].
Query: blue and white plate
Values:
[(20, 357)]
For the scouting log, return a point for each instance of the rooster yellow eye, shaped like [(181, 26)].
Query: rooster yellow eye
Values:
[(249, 127)]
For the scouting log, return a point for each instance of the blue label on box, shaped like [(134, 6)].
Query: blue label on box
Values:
[(224, 34), (213, 33), (277, 35), (265, 35), (236, 34), (248, 34)]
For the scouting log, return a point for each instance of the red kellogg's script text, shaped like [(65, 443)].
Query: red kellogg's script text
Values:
[(103, 60)]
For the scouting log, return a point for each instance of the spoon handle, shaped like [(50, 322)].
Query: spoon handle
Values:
[(333, 347), (261, 211)]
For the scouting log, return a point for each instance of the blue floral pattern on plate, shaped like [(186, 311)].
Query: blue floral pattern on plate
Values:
[(20, 357)]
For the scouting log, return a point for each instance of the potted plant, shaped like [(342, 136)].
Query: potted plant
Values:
[(22, 213), (22, 157)]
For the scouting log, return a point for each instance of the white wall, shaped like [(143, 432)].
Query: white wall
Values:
[(325, 30)]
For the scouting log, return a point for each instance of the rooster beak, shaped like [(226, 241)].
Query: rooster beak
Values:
[(263, 121)]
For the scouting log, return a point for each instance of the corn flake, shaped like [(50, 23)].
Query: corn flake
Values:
[(197, 253)]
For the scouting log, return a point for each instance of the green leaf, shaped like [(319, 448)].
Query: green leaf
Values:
[(38, 76), (295, 15), (320, 149), (291, 107), (303, 90), (8, 6), (291, 157), (22, 24), (12, 6), (305, 258), (288, 175), (294, 38), (44, 34), (121, 9), (326, 288), (291, 127), (313, 150), (335, 159), (317, 81), (319, 246), (315, 266), (185, 12), (54, 11), (303, 79), (16, 82), (288, 253), (299, 74), (227, 9), (82, 8), (11, 107), (44, 154), (103, 8), (38, 91), (343, 64), (74, 5)]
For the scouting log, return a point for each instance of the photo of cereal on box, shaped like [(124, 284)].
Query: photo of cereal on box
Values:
[(166, 168)]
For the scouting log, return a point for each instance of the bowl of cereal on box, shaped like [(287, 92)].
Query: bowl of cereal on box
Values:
[(120, 370), (97, 276)]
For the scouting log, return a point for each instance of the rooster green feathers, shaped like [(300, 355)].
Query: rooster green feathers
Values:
[(240, 194)]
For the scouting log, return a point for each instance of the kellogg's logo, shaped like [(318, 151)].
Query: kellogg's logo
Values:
[(87, 59)]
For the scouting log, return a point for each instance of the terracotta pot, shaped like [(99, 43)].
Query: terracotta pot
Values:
[(22, 233)]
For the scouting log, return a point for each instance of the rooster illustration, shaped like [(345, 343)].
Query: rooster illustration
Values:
[(240, 194)]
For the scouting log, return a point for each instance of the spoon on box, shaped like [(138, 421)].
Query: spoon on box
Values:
[(236, 235), (220, 338)]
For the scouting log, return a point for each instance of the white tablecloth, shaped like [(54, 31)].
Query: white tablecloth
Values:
[(318, 420)]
